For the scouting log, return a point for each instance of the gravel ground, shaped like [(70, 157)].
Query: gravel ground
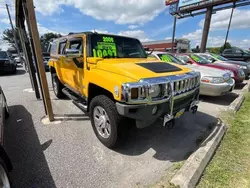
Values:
[(68, 154)]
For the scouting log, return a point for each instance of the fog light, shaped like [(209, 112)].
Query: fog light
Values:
[(154, 110)]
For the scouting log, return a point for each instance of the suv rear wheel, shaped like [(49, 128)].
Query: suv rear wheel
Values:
[(57, 86), (105, 120)]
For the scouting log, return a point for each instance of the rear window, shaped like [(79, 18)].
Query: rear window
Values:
[(229, 51)]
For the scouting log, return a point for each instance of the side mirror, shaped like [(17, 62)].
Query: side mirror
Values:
[(74, 53), (189, 62)]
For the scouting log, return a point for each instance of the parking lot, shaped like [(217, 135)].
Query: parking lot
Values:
[(67, 153)]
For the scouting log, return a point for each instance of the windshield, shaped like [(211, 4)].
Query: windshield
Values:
[(109, 46), (170, 58), (199, 59), (3, 55), (219, 57)]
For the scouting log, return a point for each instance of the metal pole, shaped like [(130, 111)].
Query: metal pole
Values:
[(14, 33), (229, 25), (173, 36), (206, 29), (34, 55), (38, 52)]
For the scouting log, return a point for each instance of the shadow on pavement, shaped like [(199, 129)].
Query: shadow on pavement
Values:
[(30, 168), (239, 86), (18, 72), (224, 100), (173, 145)]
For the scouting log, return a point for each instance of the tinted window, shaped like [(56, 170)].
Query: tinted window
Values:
[(238, 51), (229, 51), (183, 58), (62, 46), (76, 44), (109, 46), (219, 57), (53, 49), (3, 55)]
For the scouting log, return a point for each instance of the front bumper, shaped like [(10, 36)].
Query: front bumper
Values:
[(211, 89), (143, 113)]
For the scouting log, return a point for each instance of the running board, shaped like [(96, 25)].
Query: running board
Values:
[(77, 100)]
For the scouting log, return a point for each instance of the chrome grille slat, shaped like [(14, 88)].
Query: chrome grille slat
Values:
[(181, 86)]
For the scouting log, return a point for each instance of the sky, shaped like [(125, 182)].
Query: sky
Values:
[(146, 20)]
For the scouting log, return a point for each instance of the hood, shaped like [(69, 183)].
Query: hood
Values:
[(237, 62), (139, 68), (207, 71), (219, 64)]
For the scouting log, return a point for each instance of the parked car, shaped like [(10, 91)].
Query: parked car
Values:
[(5, 163), (110, 77), (7, 64), (236, 73), (213, 82), (46, 58), (236, 54), (214, 58)]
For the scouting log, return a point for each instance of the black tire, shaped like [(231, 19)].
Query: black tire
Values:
[(57, 86), (115, 119), (248, 60), (4, 175), (6, 113), (14, 70)]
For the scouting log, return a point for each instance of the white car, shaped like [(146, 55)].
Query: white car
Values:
[(214, 82)]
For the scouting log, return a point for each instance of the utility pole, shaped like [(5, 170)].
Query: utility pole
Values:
[(14, 32), (229, 25), (206, 29), (173, 36)]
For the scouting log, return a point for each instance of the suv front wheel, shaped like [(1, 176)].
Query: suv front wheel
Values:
[(105, 120), (57, 86)]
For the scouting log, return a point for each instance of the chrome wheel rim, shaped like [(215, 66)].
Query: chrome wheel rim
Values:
[(102, 122), (4, 181)]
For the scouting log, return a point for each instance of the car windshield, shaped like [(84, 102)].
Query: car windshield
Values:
[(109, 46), (170, 58), (3, 55), (199, 59), (219, 57)]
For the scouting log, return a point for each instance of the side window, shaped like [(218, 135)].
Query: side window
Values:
[(62, 46), (77, 44), (52, 48), (237, 51), (183, 58), (229, 51)]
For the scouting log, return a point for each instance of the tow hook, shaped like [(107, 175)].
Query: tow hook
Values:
[(194, 106), (168, 121), (194, 109)]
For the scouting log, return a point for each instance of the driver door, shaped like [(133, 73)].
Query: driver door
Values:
[(76, 64)]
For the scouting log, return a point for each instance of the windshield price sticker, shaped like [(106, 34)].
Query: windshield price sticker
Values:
[(166, 58), (108, 39), (195, 58), (105, 49)]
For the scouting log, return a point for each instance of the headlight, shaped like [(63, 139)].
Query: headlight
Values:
[(243, 67), (230, 72), (215, 80), (155, 91)]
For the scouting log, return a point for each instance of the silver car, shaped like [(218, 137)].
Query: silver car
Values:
[(214, 82)]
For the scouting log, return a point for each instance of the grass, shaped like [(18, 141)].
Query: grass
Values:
[(230, 167)]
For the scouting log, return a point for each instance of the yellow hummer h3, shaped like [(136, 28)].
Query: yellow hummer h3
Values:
[(111, 78)]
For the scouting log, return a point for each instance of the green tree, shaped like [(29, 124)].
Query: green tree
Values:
[(8, 37), (47, 38), (225, 46)]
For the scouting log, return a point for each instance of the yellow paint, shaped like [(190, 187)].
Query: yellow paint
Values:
[(106, 73)]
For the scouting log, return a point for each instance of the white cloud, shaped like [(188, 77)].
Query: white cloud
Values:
[(139, 34), (220, 20), (100, 31), (133, 26), (119, 11), (168, 38)]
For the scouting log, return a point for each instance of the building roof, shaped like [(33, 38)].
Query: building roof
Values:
[(165, 41)]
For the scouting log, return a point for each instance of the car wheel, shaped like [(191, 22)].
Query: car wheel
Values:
[(57, 86), (14, 70), (105, 120), (4, 178), (248, 60)]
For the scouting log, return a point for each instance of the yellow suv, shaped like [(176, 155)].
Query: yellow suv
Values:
[(111, 78)]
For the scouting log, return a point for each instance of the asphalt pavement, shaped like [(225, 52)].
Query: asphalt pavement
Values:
[(68, 154)]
